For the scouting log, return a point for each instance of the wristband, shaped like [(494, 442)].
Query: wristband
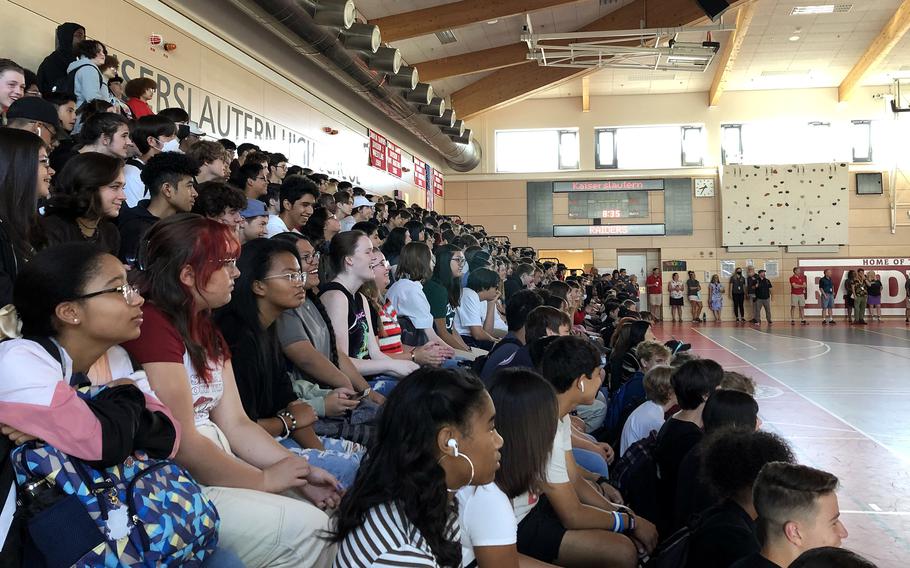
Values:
[(293, 421), (287, 430), (631, 523), (413, 357), (617, 522)]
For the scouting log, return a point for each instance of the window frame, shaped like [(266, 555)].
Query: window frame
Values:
[(559, 132), (739, 136), (598, 165), (869, 158), (682, 146)]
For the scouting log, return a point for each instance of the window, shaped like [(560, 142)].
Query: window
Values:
[(861, 135), (536, 150), (693, 146), (605, 148), (648, 147), (731, 144)]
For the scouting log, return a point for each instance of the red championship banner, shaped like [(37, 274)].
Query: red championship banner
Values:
[(420, 173), (438, 183), (393, 159), (893, 272), (378, 144)]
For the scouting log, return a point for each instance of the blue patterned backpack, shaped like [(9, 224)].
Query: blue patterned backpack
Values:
[(142, 512)]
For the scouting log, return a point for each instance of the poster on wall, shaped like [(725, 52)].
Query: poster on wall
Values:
[(438, 183), (420, 173), (894, 273), (393, 159), (378, 145)]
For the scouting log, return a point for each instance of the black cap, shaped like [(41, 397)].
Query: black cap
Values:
[(33, 108)]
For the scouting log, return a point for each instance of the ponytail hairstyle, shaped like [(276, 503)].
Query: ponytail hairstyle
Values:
[(203, 244), (341, 247), (442, 273), (402, 468), (102, 124)]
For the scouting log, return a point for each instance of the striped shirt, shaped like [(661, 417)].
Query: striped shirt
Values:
[(386, 539), (390, 336)]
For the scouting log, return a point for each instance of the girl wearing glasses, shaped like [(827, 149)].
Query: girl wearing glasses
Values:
[(270, 282), (443, 292), (25, 176), (75, 306), (88, 194), (190, 270), (350, 266)]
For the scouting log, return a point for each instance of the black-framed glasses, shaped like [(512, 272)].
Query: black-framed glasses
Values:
[(295, 277), (128, 291), (460, 260)]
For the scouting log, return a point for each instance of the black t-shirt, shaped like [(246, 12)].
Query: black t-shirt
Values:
[(754, 561), (358, 326), (875, 288), (751, 281), (725, 535), (763, 289), (675, 439), (737, 285), (693, 495)]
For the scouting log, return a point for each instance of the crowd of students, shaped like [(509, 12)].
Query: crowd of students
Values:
[(354, 381)]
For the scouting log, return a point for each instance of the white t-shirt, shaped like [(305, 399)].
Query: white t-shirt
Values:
[(276, 226), (647, 417), (409, 301), (471, 311), (486, 518), (557, 471), (348, 223), (133, 188)]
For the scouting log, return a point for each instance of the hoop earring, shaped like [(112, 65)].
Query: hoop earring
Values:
[(460, 455)]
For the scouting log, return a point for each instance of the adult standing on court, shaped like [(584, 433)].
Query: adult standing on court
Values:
[(716, 297), (907, 307), (693, 289), (751, 283), (848, 295), (798, 292), (655, 287), (875, 296), (738, 294), (826, 297), (762, 297), (676, 289), (860, 296)]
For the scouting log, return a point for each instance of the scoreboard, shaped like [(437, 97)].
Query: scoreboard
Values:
[(609, 205)]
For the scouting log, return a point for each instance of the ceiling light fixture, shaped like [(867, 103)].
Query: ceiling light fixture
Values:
[(362, 37), (405, 78), (422, 94), (820, 9), (794, 38), (386, 59), (334, 13)]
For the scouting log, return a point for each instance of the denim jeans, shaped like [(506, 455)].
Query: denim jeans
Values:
[(341, 458), (591, 461)]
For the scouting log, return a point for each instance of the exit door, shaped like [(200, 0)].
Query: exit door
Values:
[(635, 263)]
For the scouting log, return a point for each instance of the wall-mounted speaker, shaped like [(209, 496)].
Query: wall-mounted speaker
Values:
[(714, 8)]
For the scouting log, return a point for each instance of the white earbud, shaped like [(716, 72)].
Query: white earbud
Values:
[(581, 386), (452, 443)]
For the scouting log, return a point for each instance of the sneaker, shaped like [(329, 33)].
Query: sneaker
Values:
[(862, 322), (832, 322), (770, 322), (804, 322), (792, 322), (824, 322)]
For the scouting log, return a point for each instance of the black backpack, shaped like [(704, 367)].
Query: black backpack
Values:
[(479, 363), (635, 476), (67, 83), (673, 552)]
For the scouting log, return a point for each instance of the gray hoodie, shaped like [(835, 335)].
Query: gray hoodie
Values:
[(89, 83)]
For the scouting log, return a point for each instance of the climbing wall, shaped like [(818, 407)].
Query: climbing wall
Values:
[(802, 204)]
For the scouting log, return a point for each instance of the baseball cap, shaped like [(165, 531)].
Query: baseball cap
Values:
[(33, 108), (254, 208), (361, 201)]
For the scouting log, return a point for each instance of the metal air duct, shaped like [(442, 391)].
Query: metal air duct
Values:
[(340, 52)]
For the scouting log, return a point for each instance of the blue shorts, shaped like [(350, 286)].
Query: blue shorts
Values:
[(828, 301)]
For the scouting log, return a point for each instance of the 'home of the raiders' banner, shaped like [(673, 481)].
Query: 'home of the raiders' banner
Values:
[(894, 273)]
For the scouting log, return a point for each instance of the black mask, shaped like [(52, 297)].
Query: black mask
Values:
[(739, 272)]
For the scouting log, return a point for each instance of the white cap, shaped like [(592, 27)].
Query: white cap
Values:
[(361, 201)]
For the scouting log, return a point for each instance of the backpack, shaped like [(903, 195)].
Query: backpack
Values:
[(481, 361), (674, 551), (622, 402), (160, 514), (635, 476), (67, 83)]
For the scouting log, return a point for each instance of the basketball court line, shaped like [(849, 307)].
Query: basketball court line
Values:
[(744, 343), (893, 452)]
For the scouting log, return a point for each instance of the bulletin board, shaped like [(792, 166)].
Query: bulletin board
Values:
[(785, 205)]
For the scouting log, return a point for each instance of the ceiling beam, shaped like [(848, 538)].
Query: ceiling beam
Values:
[(426, 21), (474, 62), (881, 46), (730, 52), (512, 84)]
